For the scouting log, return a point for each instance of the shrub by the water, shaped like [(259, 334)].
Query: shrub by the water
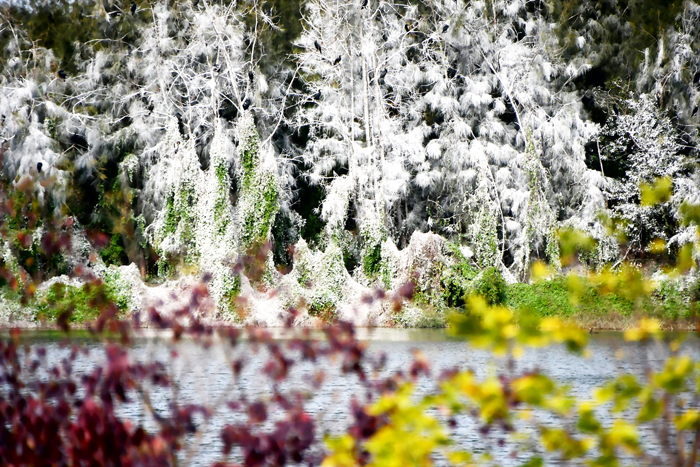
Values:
[(491, 286), (76, 304), (553, 298), (577, 298), (457, 279)]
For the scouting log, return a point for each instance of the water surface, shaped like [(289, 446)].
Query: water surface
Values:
[(204, 376)]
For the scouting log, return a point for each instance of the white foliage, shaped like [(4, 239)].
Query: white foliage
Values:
[(335, 205), (655, 153)]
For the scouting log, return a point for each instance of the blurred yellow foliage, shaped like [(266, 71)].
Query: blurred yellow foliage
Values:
[(656, 193)]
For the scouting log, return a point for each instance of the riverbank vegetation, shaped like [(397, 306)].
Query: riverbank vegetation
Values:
[(674, 303)]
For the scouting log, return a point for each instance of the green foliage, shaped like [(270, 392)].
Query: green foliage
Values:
[(455, 289), (258, 217), (491, 286), (76, 304), (171, 217), (328, 276), (164, 268), (178, 229), (110, 206), (371, 261), (617, 48), (552, 298), (185, 204), (325, 311), (321, 277), (34, 261), (82, 303), (545, 298), (582, 300), (484, 227), (231, 289), (222, 204), (259, 193), (249, 153), (456, 280), (372, 235), (674, 300), (695, 290), (430, 318), (565, 426), (114, 252), (24, 224)]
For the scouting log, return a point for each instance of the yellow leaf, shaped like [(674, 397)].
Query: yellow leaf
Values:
[(625, 435), (646, 327), (518, 351), (658, 246), (658, 192), (461, 458), (689, 420), (673, 377), (341, 452), (540, 271)]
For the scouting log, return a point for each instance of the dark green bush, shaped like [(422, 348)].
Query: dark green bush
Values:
[(695, 291), (545, 298), (553, 298), (456, 279), (672, 301), (371, 263), (456, 282), (491, 285), (114, 253), (74, 304)]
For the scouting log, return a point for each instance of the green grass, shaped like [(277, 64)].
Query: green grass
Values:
[(77, 305), (552, 299)]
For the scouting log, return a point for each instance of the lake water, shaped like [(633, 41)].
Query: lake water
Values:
[(204, 375)]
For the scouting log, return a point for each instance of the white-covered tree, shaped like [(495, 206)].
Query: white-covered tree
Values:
[(160, 104), (469, 103), (641, 143)]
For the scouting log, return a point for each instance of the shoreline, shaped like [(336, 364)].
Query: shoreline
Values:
[(594, 323)]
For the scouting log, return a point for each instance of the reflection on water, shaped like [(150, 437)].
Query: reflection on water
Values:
[(204, 376)]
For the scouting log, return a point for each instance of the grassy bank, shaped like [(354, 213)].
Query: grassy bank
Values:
[(60, 303), (673, 303)]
